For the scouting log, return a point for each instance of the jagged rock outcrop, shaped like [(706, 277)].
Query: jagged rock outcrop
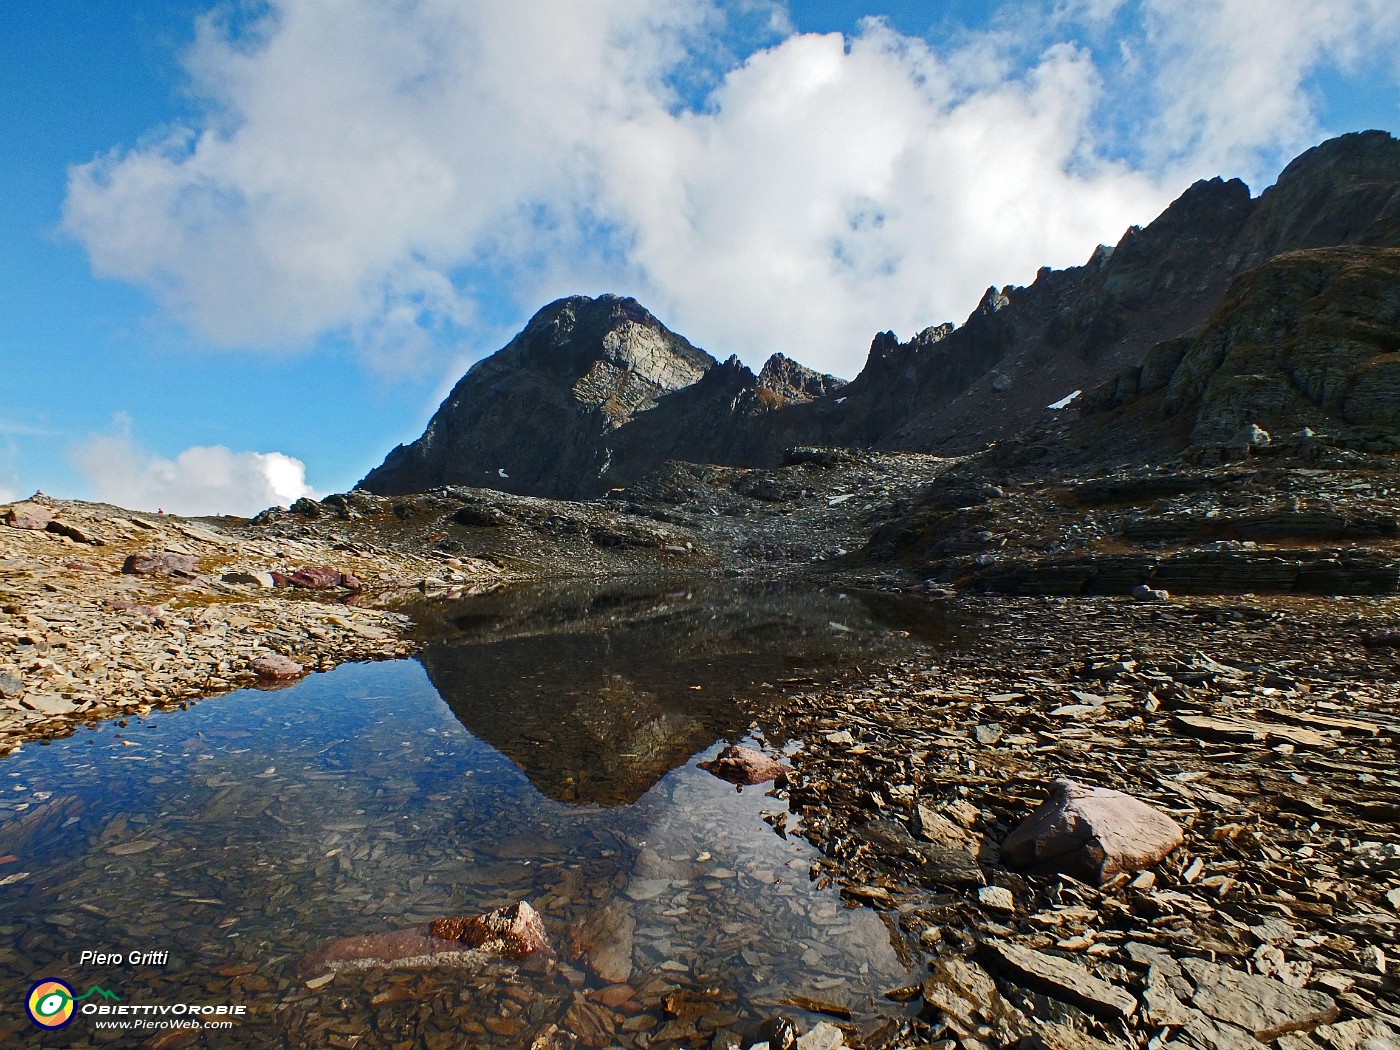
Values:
[(593, 393), (955, 390), (1306, 343)]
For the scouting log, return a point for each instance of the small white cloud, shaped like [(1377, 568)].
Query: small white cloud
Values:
[(7, 495), (204, 479)]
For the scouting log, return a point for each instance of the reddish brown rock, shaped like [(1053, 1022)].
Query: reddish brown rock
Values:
[(516, 932), (352, 582), (744, 765), (160, 563), (29, 516), (512, 934), (274, 666), (316, 578), (1090, 833)]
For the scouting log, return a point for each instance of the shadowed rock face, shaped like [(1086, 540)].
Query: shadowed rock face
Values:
[(955, 390), (592, 394), (1307, 339)]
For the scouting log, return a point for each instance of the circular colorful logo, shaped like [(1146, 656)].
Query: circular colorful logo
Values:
[(51, 1003)]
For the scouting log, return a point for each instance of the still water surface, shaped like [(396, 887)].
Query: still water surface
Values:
[(543, 748)]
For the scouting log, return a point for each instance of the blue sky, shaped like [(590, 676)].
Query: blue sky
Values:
[(268, 245)]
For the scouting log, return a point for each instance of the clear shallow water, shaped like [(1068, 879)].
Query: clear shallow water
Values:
[(539, 750)]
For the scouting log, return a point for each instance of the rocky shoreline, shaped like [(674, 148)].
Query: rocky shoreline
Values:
[(104, 612)]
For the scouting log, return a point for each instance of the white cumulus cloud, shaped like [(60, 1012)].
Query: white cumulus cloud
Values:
[(1229, 81), (204, 479), (386, 170)]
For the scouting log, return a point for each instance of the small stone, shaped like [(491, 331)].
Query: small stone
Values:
[(1266, 1007), (1359, 1034), (49, 704), (1143, 593), (988, 734), (824, 1036), (996, 898), (160, 563), (10, 685), (932, 826), (1060, 978), (1050, 1036), (743, 765), (1253, 436), (962, 995)]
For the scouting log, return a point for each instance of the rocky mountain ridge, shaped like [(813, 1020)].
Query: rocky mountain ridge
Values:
[(571, 406), (595, 393)]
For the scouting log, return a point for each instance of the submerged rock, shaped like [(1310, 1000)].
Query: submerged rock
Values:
[(512, 934), (744, 765), (606, 941), (1090, 833)]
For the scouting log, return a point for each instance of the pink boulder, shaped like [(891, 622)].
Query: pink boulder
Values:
[(1090, 833), (274, 666), (161, 563), (744, 765), (28, 515), (515, 933)]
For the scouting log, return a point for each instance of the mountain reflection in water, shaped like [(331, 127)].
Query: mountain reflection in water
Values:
[(596, 695)]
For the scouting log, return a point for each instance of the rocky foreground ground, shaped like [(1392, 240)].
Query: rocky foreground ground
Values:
[(1217, 637), (1266, 728)]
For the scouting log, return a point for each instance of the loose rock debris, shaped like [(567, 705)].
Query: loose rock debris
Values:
[(1255, 903)]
